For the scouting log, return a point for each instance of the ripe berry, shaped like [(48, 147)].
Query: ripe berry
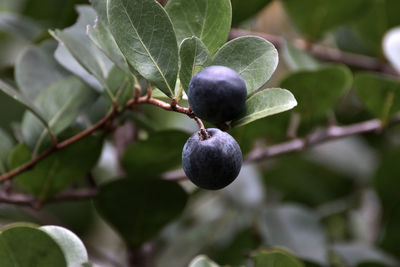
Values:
[(212, 163), (217, 94)]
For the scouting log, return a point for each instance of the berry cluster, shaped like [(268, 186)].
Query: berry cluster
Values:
[(216, 94)]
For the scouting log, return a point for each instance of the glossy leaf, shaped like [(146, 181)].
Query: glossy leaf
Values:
[(59, 170), (202, 261), (301, 233), (25, 245), (391, 47), (164, 147), (242, 10), (193, 55), (148, 205), (317, 92), (265, 103), (17, 96), (254, 58), (380, 95), (6, 146), (209, 20), (74, 250), (146, 37), (77, 53), (322, 15), (36, 69), (60, 104), (275, 258), (20, 26)]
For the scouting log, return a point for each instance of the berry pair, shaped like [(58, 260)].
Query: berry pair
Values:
[(216, 94)]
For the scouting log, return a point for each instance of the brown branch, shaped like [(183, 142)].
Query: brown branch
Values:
[(330, 133), (31, 201), (164, 105), (323, 52), (30, 164), (103, 122)]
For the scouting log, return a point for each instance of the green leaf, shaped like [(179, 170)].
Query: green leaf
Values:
[(242, 10), (301, 233), (202, 261), (101, 35), (50, 13), (322, 15), (36, 69), (27, 246), (380, 95), (209, 20), (265, 103), (14, 94), (20, 26), (103, 39), (254, 58), (298, 59), (82, 49), (77, 53), (240, 242), (101, 9), (376, 18), (193, 55), (331, 183), (60, 105), (385, 179), (148, 205), (162, 151), (121, 84), (318, 91), (146, 37), (275, 258), (391, 47), (74, 250), (6, 146), (60, 169)]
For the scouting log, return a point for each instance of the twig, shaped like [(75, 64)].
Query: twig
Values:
[(161, 104), (330, 133), (59, 146), (31, 201), (324, 53)]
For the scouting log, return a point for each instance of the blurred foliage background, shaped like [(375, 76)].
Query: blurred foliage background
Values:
[(335, 204)]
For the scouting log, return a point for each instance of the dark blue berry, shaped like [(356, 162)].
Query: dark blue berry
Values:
[(212, 163), (217, 94)]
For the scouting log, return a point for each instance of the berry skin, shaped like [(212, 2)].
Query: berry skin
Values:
[(212, 163), (217, 94)]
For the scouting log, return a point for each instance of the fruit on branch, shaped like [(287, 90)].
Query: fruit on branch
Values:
[(212, 163), (217, 94)]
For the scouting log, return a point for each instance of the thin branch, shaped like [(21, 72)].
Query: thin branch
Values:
[(31, 201), (330, 133), (30, 164), (164, 105), (323, 52)]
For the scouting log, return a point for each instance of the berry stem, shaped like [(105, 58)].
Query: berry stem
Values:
[(204, 135)]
